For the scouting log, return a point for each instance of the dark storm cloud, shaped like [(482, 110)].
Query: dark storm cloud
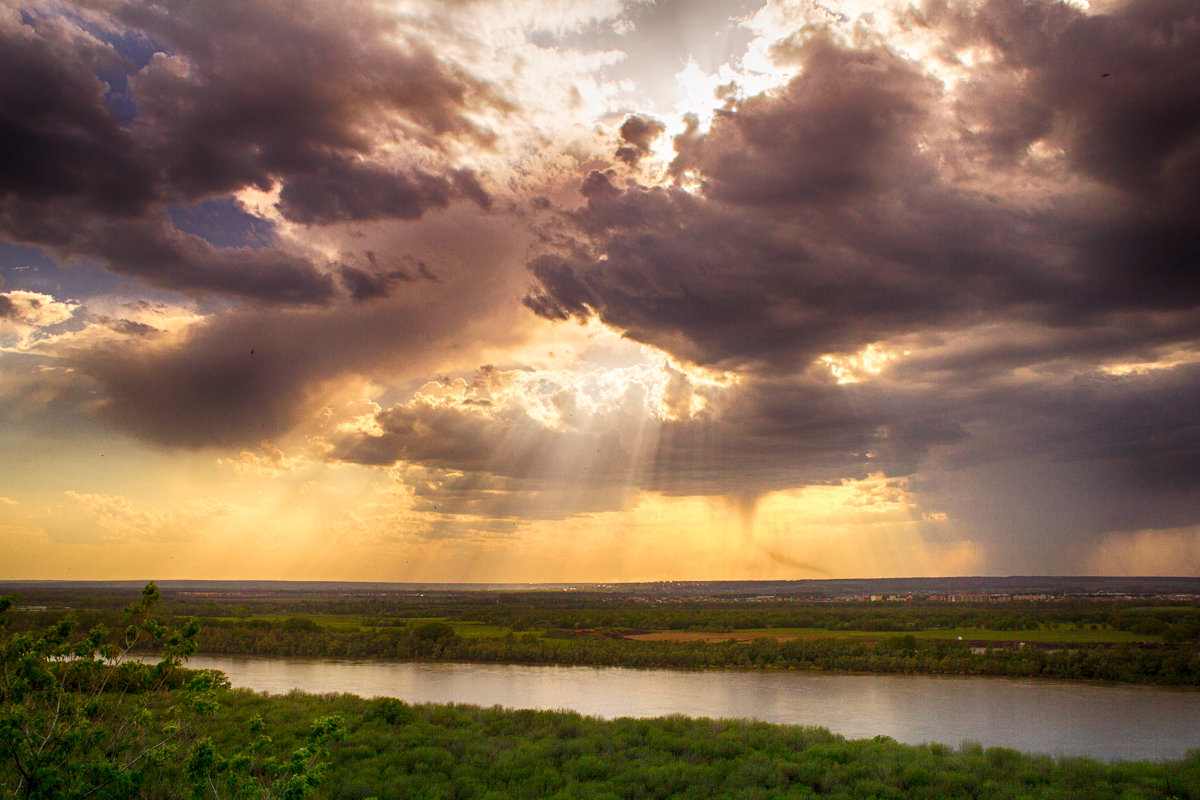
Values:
[(237, 378), (252, 377), (822, 226), (725, 286), (827, 219), (342, 191), (638, 133), (376, 281), (235, 95), (273, 91), (1048, 466), (222, 388), (1116, 92), (825, 222), (58, 140), (1137, 428), (1041, 222), (842, 131), (155, 251), (1116, 89)]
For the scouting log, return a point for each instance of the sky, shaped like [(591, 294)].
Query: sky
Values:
[(598, 290)]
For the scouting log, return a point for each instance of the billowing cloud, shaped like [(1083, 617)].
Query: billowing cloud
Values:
[(109, 116), (637, 135), (531, 443), (945, 250), (1046, 199), (27, 317), (236, 378), (343, 191)]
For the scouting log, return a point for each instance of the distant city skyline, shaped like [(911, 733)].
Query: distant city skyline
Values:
[(598, 291)]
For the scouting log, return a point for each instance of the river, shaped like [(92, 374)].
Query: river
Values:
[(1104, 721)]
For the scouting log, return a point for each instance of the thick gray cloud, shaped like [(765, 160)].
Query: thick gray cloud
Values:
[(273, 91), (822, 226), (828, 217), (341, 191), (58, 140), (637, 134), (1116, 92), (1022, 243), (155, 251), (1019, 235), (105, 119), (246, 375)]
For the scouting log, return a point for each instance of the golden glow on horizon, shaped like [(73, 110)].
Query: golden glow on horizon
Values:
[(354, 523)]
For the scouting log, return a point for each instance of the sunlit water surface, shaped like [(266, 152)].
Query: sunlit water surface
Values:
[(1105, 721)]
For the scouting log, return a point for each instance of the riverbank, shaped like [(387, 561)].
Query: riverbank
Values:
[(1160, 664)]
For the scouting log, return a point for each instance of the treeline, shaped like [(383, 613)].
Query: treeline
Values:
[(540, 611), (394, 750), (549, 628), (528, 611), (872, 617), (433, 641)]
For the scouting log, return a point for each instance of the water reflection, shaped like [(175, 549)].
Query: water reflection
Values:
[(1110, 722)]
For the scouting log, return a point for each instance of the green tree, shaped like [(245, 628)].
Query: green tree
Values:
[(79, 717), (251, 774)]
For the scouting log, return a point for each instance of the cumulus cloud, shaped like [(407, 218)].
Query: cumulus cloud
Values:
[(109, 115), (27, 318), (637, 135), (1009, 234), (851, 206), (954, 245), (268, 461), (235, 378), (532, 443)]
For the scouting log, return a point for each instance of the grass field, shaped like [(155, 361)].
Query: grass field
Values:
[(1044, 636), (1061, 634), (345, 622)]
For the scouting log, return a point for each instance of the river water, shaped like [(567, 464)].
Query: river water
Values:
[(1105, 721)]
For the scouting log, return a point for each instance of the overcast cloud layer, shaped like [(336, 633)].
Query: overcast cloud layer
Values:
[(480, 250)]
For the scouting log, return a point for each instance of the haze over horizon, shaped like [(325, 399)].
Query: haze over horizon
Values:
[(557, 291)]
